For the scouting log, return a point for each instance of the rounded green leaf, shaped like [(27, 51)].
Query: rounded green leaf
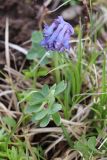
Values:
[(60, 88), (44, 122), (33, 108), (37, 36), (35, 52), (36, 98), (45, 90), (40, 115), (92, 143), (9, 121), (56, 118), (55, 108)]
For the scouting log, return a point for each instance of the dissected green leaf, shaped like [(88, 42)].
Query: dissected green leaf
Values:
[(92, 143), (9, 121), (56, 118), (45, 90), (36, 52), (83, 148), (42, 72), (51, 99), (39, 115), (60, 88), (36, 98), (33, 108), (37, 36), (44, 122), (55, 108)]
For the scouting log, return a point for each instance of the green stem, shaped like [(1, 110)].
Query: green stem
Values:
[(67, 136), (56, 64)]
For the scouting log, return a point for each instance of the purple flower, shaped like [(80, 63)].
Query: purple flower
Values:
[(57, 35)]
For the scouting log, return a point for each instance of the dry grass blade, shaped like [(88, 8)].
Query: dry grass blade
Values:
[(7, 43), (46, 3), (6, 92), (64, 121), (16, 47), (82, 112), (66, 2), (101, 21), (13, 72), (34, 131), (56, 2), (5, 110), (46, 130), (54, 144)]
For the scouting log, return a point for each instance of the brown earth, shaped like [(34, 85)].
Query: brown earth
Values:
[(22, 19)]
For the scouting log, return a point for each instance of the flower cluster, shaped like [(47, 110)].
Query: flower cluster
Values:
[(57, 35)]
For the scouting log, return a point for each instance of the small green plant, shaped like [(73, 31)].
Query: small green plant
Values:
[(87, 148), (43, 106), (14, 148)]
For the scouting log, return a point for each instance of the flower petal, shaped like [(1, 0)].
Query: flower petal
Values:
[(57, 35)]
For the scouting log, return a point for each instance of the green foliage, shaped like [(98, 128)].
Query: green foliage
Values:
[(9, 121), (43, 106), (87, 148), (67, 136), (16, 150), (103, 97), (36, 51), (16, 154)]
